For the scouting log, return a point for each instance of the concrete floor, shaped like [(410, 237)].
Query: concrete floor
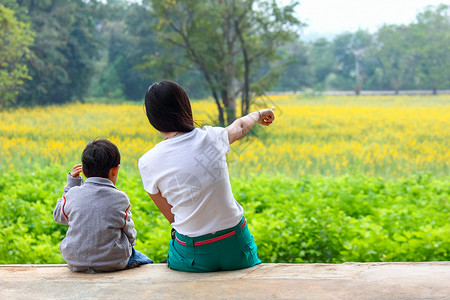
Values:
[(428, 280)]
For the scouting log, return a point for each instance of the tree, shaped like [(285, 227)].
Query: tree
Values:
[(61, 65), (227, 41), (351, 50), (323, 61), (15, 39), (296, 68), (394, 55), (125, 35), (431, 40), (277, 26), (141, 41)]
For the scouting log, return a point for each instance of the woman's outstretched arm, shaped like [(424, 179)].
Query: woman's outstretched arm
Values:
[(241, 126)]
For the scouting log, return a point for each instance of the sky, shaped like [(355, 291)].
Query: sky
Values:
[(330, 17)]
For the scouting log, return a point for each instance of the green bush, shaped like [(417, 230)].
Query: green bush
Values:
[(312, 219), (348, 218)]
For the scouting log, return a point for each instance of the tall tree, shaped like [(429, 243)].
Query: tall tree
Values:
[(141, 41), (351, 51), (431, 40), (125, 35), (296, 68), (276, 26), (394, 54), (323, 61), (226, 40), (15, 39), (61, 65)]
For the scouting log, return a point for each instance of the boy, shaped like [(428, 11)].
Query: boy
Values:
[(101, 233)]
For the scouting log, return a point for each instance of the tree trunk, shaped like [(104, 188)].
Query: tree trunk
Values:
[(230, 105), (245, 105), (231, 113), (220, 109), (246, 91), (357, 85)]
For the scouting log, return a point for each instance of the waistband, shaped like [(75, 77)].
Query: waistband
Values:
[(210, 238)]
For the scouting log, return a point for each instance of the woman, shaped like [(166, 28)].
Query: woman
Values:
[(186, 175)]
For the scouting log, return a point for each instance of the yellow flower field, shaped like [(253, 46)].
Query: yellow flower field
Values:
[(389, 136)]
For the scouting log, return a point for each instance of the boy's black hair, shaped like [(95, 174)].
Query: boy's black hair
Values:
[(99, 157), (168, 107)]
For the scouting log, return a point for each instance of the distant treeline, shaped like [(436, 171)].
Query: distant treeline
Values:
[(396, 57), (56, 51)]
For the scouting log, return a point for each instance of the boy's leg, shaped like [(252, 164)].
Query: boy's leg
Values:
[(138, 258)]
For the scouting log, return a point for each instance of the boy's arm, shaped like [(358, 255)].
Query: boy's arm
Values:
[(129, 230), (128, 227), (241, 126), (73, 179)]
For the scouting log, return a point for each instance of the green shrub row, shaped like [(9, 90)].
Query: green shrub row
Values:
[(348, 219), (311, 219)]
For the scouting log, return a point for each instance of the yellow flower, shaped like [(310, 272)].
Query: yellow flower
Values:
[(390, 136)]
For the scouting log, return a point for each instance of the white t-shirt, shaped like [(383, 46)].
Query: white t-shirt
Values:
[(191, 172)]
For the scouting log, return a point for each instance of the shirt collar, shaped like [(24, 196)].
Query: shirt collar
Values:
[(100, 181)]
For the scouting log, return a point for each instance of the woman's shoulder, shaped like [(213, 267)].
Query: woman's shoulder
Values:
[(154, 156), (148, 158), (209, 128), (217, 134), (214, 131)]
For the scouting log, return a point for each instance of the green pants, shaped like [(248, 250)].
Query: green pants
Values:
[(229, 249)]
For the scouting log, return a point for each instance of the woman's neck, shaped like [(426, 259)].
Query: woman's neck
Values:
[(172, 134)]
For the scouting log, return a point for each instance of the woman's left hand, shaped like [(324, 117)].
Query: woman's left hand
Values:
[(266, 116)]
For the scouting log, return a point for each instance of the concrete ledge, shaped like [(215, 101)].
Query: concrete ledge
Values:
[(428, 280)]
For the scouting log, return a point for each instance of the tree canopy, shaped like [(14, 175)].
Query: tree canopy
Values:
[(226, 41), (15, 40), (55, 51)]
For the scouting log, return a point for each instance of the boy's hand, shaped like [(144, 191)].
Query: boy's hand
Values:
[(76, 170), (266, 116)]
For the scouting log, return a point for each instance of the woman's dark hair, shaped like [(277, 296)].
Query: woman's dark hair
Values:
[(99, 157), (168, 107)]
